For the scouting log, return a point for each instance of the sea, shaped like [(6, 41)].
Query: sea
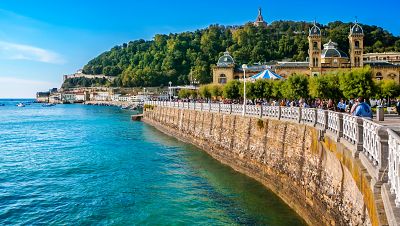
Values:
[(92, 165)]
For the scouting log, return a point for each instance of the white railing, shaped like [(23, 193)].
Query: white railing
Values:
[(351, 129), (214, 107), (394, 165), (371, 141), (226, 108), (322, 118), (333, 122), (309, 115), (291, 113), (271, 111), (237, 108), (253, 110)]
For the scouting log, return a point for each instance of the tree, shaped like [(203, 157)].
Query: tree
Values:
[(184, 93), (276, 89), (325, 87), (387, 89), (250, 94), (205, 91), (231, 90), (295, 87), (216, 91), (357, 83)]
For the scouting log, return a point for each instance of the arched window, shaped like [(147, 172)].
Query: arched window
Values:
[(357, 44), (222, 79), (392, 76), (378, 76), (315, 45)]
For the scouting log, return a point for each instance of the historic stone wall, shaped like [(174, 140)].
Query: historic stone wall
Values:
[(321, 180)]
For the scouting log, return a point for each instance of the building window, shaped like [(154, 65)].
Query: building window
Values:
[(315, 45), (315, 62), (236, 77), (357, 44), (378, 76), (222, 79)]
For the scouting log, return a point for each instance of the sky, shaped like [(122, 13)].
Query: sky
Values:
[(41, 40)]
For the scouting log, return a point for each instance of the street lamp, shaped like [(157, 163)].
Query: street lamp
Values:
[(170, 91), (244, 67)]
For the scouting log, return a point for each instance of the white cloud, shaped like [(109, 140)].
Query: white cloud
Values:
[(22, 88), (15, 51)]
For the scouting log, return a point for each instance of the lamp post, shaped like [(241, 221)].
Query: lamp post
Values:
[(170, 91), (244, 67)]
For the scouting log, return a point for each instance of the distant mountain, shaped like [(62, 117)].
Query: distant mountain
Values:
[(176, 57)]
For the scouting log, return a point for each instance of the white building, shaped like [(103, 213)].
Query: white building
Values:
[(100, 96), (124, 98)]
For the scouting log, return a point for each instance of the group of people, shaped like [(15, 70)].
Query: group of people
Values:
[(356, 107)]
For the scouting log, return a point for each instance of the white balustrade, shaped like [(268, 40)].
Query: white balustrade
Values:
[(226, 108), (253, 110), (333, 122), (271, 111), (394, 165), (214, 107), (371, 141), (198, 106), (237, 108), (206, 107), (291, 113), (309, 115), (351, 130)]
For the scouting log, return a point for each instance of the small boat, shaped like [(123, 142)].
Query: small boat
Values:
[(125, 107), (21, 105), (48, 105)]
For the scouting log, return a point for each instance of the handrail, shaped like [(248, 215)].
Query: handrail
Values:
[(394, 165)]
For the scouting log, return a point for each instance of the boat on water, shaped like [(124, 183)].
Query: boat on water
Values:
[(48, 105), (21, 105)]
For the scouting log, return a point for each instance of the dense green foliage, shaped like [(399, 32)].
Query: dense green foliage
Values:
[(189, 55), (347, 85), (325, 87), (85, 82), (356, 83)]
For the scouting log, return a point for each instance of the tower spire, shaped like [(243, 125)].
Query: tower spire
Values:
[(260, 20)]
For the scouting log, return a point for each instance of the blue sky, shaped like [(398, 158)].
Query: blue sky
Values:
[(40, 40)]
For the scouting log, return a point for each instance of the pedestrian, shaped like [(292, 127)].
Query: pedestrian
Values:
[(362, 109), (398, 106)]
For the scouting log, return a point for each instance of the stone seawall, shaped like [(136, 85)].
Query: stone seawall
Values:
[(312, 173)]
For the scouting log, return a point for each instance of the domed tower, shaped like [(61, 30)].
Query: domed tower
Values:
[(356, 39), (314, 49), (224, 70)]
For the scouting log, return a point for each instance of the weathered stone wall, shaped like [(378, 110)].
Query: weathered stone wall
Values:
[(320, 180)]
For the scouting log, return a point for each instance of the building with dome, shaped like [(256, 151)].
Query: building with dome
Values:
[(321, 59)]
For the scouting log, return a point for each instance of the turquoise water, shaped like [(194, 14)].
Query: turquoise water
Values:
[(85, 165)]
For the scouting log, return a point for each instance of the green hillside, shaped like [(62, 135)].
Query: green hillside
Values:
[(173, 57)]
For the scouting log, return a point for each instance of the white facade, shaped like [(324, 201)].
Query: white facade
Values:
[(100, 96), (124, 98)]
